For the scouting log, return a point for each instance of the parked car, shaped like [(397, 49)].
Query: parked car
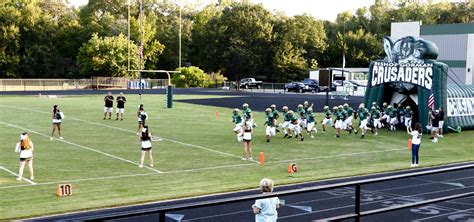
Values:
[(311, 85), (295, 87), (249, 83)]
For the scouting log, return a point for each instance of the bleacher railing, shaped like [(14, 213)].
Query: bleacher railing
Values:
[(161, 211)]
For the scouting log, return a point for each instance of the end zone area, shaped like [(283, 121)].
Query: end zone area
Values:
[(198, 154)]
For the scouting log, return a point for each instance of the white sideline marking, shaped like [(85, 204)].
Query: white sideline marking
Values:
[(81, 180), (182, 171), (16, 175), (81, 146), (130, 131)]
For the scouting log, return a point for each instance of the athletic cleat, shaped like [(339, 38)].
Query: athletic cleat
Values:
[(32, 178), (289, 137), (376, 134), (440, 136), (337, 136), (141, 165), (302, 138), (250, 158), (372, 130), (277, 130), (121, 119), (244, 158), (362, 136), (286, 135), (268, 140), (350, 131), (116, 119), (61, 138), (18, 178), (104, 118), (312, 137), (51, 138), (296, 136), (151, 165)]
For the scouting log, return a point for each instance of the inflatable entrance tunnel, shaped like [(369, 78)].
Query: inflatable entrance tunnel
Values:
[(409, 75)]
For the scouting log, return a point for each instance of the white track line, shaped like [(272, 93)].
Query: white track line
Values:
[(16, 175), (130, 131), (442, 215), (81, 146)]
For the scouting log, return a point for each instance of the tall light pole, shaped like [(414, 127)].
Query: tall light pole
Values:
[(179, 35)]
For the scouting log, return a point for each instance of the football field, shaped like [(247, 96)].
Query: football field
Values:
[(198, 154)]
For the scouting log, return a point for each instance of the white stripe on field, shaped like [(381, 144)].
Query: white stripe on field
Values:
[(13, 173), (130, 131), (81, 146), (198, 169)]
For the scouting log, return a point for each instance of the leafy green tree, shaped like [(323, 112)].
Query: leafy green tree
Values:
[(107, 56), (191, 77)]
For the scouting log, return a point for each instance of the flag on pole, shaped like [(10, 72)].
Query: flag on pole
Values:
[(431, 100), (343, 61)]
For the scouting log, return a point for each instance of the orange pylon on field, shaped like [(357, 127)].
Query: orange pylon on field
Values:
[(217, 115), (262, 158), (409, 144)]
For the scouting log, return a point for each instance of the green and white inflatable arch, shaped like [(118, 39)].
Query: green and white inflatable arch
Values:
[(409, 74)]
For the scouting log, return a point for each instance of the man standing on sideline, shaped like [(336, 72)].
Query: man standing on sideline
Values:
[(109, 104), (120, 106)]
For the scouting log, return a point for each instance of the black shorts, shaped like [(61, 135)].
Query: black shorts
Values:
[(146, 149), (57, 123), (24, 159)]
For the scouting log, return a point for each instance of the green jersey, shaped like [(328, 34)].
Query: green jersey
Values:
[(341, 115), (236, 118), (293, 119), (310, 117), (275, 114), (375, 114), (408, 113), (286, 117), (270, 119), (363, 113), (349, 111), (247, 113), (327, 114), (302, 113), (392, 113)]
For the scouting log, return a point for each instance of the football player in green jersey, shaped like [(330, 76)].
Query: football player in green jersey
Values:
[(408, 116), (286, 121), (340, 117), (348, 121), (270, 122), (302, 116), (294, 127), (363, 114), (276, 116), (375, 115), (311, 121), (392, 113), (247, 114), (385, 120), (237, 119), (327, 118)]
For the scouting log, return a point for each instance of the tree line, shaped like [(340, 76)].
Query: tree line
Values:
[(50, 39)]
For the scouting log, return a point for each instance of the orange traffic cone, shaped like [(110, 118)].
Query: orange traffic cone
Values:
[(262, 158), (217, 115), (409, 144)]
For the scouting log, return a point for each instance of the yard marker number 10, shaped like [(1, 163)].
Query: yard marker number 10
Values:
[(63, 190)]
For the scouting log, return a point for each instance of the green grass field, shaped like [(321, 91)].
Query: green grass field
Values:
[(198, 155)]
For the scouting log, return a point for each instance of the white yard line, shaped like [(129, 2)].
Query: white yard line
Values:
[(445, 214), (134, 132), (16, 175), (81, 146)]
